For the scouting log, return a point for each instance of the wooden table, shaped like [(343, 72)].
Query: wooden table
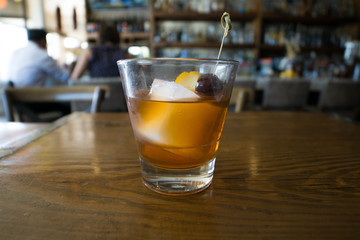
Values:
[(279, 175), (14, 135)]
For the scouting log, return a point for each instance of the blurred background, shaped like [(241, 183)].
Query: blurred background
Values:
[(314, 34), (312, 39)]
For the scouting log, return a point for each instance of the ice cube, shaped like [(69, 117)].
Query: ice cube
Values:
[(151, 120), (163, 90)]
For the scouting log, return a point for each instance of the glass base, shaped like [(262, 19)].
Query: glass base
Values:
[(177, 181)]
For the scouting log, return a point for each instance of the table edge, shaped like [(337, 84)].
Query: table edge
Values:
[(15, 145)]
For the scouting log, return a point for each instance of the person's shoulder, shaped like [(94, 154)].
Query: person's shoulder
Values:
[(25, 48), (33, 48), (119, 49), (95, 49)]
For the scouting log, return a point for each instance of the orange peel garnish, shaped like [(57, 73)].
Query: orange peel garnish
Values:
[(188, 79)]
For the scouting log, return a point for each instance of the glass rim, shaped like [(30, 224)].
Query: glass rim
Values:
[(204, 60)]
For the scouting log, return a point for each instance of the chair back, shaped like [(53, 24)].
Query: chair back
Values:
[(114, 101), (340, 95), (285, 94), (13, 96), (243, 94), (246, 83)]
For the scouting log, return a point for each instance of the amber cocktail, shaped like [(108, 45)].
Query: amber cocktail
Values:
[(177, 109)]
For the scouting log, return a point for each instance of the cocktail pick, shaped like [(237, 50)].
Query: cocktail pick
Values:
[(226, 24)]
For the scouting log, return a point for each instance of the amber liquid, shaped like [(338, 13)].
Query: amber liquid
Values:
[(177, 134)]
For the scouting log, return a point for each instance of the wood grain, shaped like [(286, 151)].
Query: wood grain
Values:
[(279, 175), (12, 130), (13, 135)]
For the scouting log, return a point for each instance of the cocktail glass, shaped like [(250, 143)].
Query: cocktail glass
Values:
[(177, 119)]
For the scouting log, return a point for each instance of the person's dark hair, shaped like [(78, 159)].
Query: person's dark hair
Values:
[(108, 33), (36, 34)]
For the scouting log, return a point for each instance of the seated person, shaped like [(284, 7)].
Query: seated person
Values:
[(101, 59), (32, 66)]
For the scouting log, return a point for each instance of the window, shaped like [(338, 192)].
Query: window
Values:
[(12, 37)]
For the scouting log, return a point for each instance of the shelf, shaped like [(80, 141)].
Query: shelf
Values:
[(99, 15), (274, 17), (195, 16), (126, 35), (202, 45), (275, 48), (328, 49), (137, 35), (278, 48), (259, 18)]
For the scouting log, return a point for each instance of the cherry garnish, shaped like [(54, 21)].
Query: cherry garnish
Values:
[(209, 85)]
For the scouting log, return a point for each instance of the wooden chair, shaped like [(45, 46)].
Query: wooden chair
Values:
[(285, 94), (13, 98), (240, 96), (114, 102), (340, 95), (246, 83), (243, 95), (341, 98)]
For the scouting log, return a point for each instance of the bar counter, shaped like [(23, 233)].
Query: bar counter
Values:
[(278, 175)]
